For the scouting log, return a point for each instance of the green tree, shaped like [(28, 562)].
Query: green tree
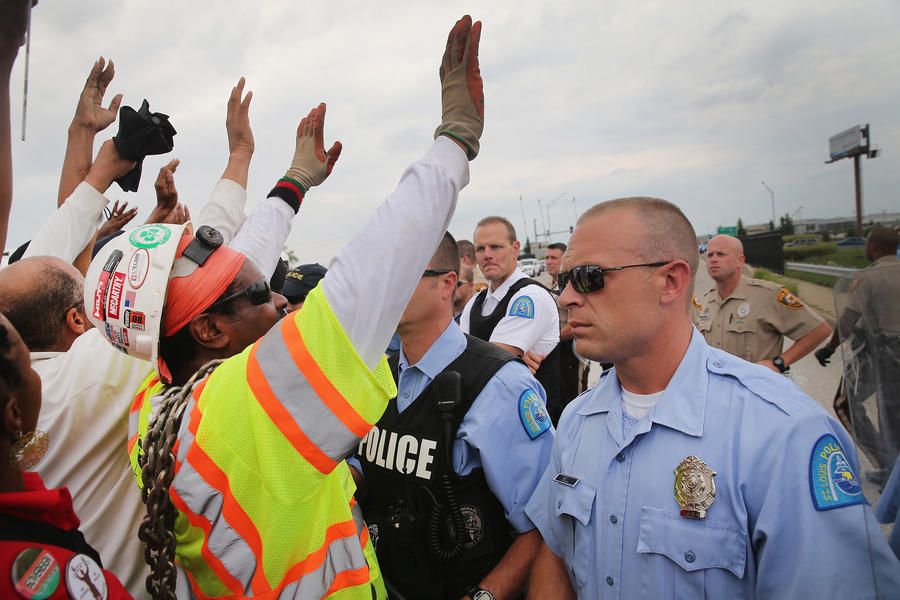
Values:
[(527, 249), (787, 225), (740, 228), (290, 257)]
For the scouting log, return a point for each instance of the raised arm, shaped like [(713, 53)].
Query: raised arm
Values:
[(90, 119), (262, 236), (368, 299), (225, 209), (73, 225), (13, 20)]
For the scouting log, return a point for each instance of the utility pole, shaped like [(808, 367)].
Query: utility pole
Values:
[(772, 194), (524, 220)]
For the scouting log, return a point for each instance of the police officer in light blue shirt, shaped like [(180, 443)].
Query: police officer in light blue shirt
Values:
[(687, 472), (505, 437)]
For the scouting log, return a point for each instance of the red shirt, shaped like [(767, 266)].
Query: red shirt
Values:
[(53, 507)]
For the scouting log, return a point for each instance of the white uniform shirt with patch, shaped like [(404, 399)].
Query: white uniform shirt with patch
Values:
[(539, 332)]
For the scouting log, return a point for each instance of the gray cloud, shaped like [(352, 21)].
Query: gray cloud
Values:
[(692, 102)]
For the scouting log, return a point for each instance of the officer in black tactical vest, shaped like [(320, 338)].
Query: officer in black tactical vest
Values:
[(514, 312), (448, 469)]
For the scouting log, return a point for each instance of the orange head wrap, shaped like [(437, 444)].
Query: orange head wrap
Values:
[(191, 294)]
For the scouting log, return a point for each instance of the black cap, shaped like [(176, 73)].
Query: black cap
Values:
[(300, 281)]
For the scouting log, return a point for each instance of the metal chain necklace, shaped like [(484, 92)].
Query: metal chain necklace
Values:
[(157, 463)]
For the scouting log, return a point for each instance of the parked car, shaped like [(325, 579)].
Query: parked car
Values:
[(529, 266), (702, 248), (852, 241), (802, 242)]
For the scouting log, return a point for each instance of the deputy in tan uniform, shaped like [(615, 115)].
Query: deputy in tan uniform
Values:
[(750, 317)]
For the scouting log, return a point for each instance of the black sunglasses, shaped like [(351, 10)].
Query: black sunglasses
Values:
[(589, 278), (436, 272), (258, 293)]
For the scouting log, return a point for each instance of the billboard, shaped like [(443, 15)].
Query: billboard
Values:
[(848, 142)]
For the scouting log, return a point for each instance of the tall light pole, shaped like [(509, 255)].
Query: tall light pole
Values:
[(541, 213), (552, 202), (772, 194)]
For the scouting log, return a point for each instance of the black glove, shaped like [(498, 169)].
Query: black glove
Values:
[(141, 133), (823, 354)]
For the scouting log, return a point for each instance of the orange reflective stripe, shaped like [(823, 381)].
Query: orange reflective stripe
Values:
[(131, 442), (234, 512), (236, 587), (315, 559), (282, 419), (325, 390), (138, 401), (346, 579)]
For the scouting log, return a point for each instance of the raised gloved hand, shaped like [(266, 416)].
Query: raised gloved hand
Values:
[(311, 164), (462, 91), (823, 354)]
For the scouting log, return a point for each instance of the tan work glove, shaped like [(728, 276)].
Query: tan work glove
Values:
[(311, 164), (462, 91)]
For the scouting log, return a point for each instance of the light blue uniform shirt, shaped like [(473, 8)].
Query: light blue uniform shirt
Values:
[(619, 529), (491, 436)]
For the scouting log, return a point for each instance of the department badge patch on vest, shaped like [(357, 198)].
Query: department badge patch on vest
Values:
[(788, 299), (533, 415), (522, 307), (832, 482)]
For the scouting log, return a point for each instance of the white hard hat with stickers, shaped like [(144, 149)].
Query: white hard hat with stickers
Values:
[(126, 284)]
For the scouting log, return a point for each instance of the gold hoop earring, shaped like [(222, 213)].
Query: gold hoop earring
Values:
[(28, 449)]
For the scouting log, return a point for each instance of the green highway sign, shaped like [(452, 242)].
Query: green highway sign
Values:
[(727, 231)]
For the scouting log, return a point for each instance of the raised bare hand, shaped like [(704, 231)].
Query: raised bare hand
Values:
[(90, 113), (119, 217), (237, 120)]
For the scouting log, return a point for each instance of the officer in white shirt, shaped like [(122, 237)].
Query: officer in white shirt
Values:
[(514, 312)]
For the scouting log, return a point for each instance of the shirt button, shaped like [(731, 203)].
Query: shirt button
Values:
[(559, 504), (717, 364), (690, 556), (613, 519), (406, 394), (609, 581), (620, 457)]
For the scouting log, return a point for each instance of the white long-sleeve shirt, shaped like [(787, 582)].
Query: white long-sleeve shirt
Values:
[(372, 279)]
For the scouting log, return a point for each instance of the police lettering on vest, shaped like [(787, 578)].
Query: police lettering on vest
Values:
[(405, 454)]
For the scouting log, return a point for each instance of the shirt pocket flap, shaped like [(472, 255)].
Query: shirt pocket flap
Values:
[(577, 500), (693, 544), (741, 326)]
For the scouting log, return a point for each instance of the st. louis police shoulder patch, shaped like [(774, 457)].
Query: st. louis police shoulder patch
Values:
[(832, 482), (522, 307), (533, 415)]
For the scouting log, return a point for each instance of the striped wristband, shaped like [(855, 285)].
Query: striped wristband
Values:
[(289, 190)]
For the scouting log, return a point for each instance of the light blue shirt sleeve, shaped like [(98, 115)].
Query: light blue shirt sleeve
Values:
[(803, 551), (494, 435)]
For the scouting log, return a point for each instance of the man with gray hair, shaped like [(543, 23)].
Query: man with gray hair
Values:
[(687, 471)]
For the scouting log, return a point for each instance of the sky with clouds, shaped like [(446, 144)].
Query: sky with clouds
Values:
[(696, 102)]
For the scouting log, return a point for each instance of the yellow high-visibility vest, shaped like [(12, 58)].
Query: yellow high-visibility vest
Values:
[(264, 498)]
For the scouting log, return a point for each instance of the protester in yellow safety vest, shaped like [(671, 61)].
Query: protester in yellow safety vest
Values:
[(263, 501)]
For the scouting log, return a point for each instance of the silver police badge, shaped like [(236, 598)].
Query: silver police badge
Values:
[(695, 488)]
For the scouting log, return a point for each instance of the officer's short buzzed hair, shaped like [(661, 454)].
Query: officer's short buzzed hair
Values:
[(669, 234), (447, 255), (494, 219), (466, 250), (884, 237)]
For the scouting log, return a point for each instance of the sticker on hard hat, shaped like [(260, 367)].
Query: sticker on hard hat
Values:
[(150, 236), (114, 303), (138, 267), (99, 308)]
